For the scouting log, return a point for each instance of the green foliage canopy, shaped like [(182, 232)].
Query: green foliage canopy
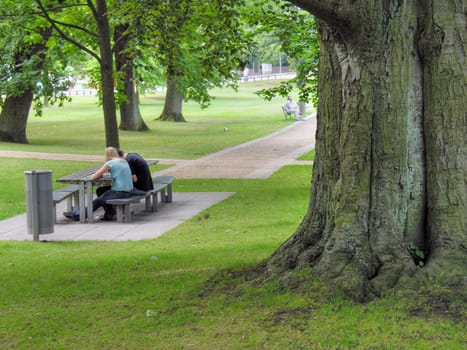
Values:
[(21, 29), (199, 43), (296, 32)]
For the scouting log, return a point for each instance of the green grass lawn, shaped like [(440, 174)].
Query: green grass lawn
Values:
[(78, 127), (161, 294), (185, 289)]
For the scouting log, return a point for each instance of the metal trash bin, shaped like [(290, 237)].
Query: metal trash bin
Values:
[(39, 202)]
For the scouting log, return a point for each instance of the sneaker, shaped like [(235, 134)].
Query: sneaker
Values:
[(73, 215), (68, 215)]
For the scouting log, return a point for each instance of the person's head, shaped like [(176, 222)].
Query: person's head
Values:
[(111, 153), (121, 153), (289, 98)]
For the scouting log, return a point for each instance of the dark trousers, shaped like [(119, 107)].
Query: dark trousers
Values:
[(101, 190), (109, 194)]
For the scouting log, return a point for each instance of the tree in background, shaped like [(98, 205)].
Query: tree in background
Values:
[(31, 68), (200, 44), (87, 26), (130, 115), (388, 198), (128, 33)]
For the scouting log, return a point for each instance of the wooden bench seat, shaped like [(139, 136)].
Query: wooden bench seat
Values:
[(69, 193), (122, 205)]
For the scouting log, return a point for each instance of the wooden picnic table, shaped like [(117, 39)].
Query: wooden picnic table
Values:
[(83, 180)]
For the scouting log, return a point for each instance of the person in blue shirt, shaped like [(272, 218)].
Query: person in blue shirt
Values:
[(122, 184), (142, 178)]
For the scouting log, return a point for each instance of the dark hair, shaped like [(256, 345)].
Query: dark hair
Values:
[(120, 152)]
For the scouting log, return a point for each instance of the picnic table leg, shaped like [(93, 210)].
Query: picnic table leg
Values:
[(120, 212), (169, 193), (82, 202), (90, 196)]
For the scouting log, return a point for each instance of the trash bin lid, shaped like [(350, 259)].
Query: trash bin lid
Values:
[(39, 171)]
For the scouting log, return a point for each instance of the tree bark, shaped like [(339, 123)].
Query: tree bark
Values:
[(106, 67), (442, 46), (14, 117), (173, 102), (387, 206), (130, 115)]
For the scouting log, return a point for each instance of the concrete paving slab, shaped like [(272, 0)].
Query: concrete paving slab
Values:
[(143, 226)]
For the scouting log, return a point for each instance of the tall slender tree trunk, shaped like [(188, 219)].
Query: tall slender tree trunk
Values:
[(388, 197), (173, 102), (106, 67), (130, 115)]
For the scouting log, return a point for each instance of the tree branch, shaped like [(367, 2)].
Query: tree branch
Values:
[(74, 26), (93, 9), (62, 34), (333, 12)]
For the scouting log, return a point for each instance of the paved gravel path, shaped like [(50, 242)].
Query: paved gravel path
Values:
[(259, 158)]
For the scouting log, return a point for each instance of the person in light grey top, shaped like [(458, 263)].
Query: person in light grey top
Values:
[(291, 108)]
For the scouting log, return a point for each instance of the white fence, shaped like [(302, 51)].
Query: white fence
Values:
[(80, 92), (267, 77), (249, 78)]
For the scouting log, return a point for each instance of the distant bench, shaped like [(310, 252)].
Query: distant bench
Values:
[(162, 185), (287, 114)]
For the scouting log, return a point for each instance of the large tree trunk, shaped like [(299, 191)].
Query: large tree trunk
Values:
[(173, 103), (130, 115), (15, 110), (14, 117), (389, 174), (106, 67)]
